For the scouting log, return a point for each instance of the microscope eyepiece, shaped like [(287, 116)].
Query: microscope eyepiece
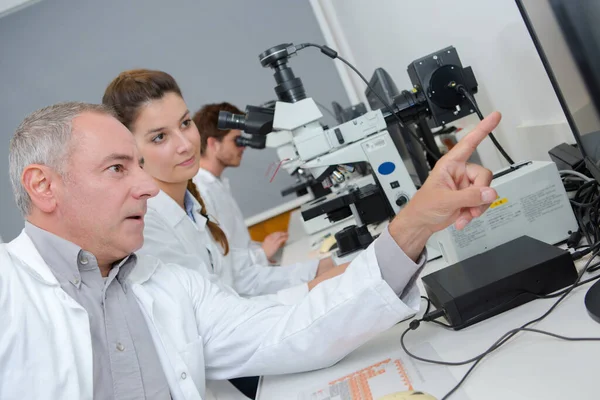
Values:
[(228, 120)]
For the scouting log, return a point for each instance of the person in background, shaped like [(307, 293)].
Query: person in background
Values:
[(219, 151), (84, 317)]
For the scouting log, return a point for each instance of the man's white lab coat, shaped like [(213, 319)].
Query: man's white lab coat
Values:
[(171, 236), (220, 204), (199, 330)]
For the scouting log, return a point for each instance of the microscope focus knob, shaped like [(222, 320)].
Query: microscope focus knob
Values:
[(401, 200)]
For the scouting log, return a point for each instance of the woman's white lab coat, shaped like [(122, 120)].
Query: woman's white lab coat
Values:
[(199, 330), (171, 236), (220, 204)]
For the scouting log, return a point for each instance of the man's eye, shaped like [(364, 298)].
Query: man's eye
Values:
[(118, 168), (186, 123)]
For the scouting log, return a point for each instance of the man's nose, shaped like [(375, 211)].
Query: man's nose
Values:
[(144, 186)]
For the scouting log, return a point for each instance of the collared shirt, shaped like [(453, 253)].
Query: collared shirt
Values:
[(188, 204), (125, 361)]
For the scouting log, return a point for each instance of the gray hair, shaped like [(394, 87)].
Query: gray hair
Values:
[(44, 138)]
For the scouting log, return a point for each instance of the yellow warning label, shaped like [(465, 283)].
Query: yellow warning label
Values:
[(499, 202)]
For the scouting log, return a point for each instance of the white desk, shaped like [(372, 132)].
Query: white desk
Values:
[(280, 209), (530, 366)]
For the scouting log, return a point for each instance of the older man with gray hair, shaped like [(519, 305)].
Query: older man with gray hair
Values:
[(84, 318)]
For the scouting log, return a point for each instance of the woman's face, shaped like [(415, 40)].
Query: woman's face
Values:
[(168, 139)]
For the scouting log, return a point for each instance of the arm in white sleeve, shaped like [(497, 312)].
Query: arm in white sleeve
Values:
[(259, 338), (258, 254), (252, 279)]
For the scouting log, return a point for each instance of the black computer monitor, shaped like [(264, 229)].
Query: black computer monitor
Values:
[(410, 151), (566, 34)]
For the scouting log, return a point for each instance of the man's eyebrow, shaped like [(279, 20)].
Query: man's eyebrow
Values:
[(116, 157)]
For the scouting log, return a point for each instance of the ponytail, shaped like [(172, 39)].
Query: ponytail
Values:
[(214, 228)]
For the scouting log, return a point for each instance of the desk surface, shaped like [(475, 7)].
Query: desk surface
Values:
[(529, 366), (280, 209)]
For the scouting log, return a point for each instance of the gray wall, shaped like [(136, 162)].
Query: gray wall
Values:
[(60, 50)]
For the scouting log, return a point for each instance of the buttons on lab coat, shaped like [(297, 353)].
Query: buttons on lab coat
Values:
[(120, 347), (183, 375)]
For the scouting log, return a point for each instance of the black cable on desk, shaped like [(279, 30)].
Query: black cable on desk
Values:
[(428, 304), (508, 335), (586, 207)]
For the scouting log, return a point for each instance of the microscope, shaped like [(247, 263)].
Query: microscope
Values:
[(303, 144)]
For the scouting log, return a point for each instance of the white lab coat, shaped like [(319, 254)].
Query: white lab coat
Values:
[(220, 205), (199, 331), (171, 236)]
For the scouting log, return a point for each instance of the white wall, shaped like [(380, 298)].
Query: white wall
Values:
[(489, 35)]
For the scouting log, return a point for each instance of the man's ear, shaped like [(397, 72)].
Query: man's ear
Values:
[(38, 182), (211, 144)]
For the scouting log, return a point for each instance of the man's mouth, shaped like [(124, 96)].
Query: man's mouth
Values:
[(137, 217)]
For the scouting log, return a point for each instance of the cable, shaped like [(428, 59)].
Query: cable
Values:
[(428, 304), (508, 335), (554, 335), (333, 54), (593, 268), (590, 204), (463, 90), (575, 173), (577, 254), (586, 207)]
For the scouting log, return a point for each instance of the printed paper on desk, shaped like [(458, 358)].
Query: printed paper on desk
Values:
[(396, 373)]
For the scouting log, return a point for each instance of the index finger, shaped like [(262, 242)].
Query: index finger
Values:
[(467, 145)]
